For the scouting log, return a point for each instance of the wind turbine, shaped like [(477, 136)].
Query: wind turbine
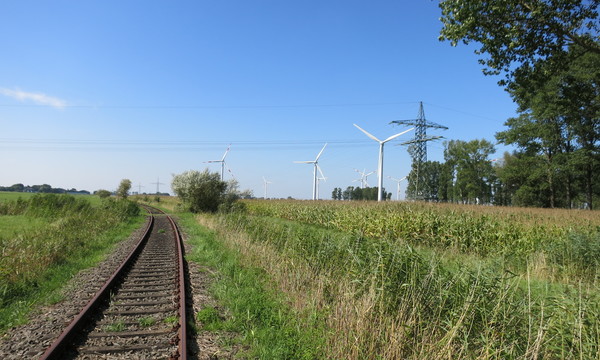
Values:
[(316, 167), (222, 161), (363, 177), (319, 179), (398, 181), (380, 166), (266, 182)]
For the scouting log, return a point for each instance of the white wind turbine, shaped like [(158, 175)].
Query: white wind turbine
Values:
[(398, 190), (222, 161), (380, 166), (319, 179), (316, 168), (266, 182), (363, 177)]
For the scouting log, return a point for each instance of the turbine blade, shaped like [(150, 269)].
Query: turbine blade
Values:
[(395, 136), (226, 151), (320, 152), (304, 162), (321, 172), (366, 133)]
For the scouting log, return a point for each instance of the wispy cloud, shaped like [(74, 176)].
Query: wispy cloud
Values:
[(38, 98)]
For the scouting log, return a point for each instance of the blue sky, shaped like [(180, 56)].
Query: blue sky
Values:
[(94, 92)]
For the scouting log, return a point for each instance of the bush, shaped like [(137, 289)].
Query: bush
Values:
[(200, 191), (102, 193)]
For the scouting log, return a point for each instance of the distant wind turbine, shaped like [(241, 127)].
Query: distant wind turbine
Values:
[(380, 166), (363, 177), (398, 190), (266, 182), (319, 179), (316, 168), (222, 161)]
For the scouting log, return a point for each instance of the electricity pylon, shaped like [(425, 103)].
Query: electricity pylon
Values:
[(418, 146)]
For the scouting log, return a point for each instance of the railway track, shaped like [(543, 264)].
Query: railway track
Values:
[(139, 313)]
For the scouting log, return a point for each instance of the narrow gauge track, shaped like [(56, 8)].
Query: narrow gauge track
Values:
[(139, 313)]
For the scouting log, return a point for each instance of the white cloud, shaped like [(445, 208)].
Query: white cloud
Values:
[(38, 98)]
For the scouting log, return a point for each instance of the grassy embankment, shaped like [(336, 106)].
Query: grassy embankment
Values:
[(427, 281), (46, 239)]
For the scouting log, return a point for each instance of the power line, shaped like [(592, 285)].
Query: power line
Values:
[(174, 107)]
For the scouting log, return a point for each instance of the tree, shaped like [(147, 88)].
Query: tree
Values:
[(471, 169), (424, 181), (560, 120), (123, 190), (203, 191), (520, 36)]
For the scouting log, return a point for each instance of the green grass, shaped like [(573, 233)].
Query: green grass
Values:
[(146, 321), (12, 225), (116, 327), (39, 260), (265, 323), (385, 298)]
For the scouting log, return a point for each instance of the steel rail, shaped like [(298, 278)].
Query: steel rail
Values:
[(78, 323), (182, 294)]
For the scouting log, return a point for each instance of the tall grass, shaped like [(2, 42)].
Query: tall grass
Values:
[(73, 228), (557, 239), (385, 298)]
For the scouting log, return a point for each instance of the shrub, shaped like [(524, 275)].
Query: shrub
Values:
[(204, 191)]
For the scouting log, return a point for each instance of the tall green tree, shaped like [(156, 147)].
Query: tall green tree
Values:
[(472, 170), (425, 181), (124, 187), (517, 37)]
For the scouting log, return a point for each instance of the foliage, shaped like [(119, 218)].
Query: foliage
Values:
[(262, 317), (517, 235), (559, 124), (384, 298), (45, 188), (73, 231), (102, 193), (521, 37), (430, 174), (205, 192), (124, 187), (358, 193)]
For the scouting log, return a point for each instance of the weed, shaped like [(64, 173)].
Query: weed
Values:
[(171, 320), (146, 321), (118, 326)]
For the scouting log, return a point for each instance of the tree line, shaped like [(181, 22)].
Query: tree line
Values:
[(44, 188), (358, 193), (549, 55)]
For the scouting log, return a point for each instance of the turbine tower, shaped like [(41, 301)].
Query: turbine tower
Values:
[(316, 168), (319, 179), (418, 146), (398, 190), (266, 182), (222, 161), (380, 165)]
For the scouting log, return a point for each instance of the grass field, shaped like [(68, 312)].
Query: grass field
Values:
[(46, 238)]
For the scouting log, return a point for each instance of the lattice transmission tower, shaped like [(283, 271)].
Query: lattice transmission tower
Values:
[(418, 146)]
